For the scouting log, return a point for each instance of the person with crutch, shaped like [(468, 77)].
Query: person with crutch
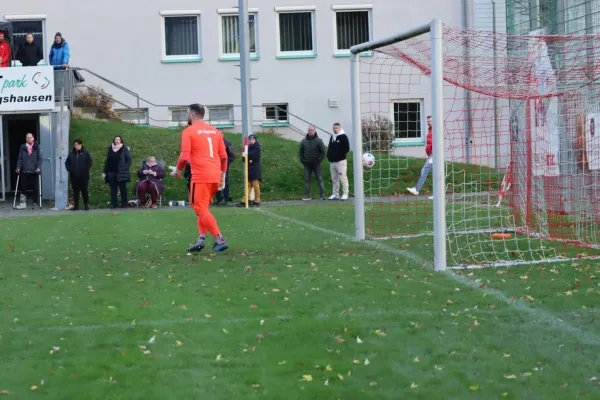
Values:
[(29, 167)]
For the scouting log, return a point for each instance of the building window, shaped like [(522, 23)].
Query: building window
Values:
[(181, 36), (276, 113), (24, 24), (296, 32), (352, 26), (408, 123), (229, 43), (177, 116), (220, 115), (134, 116)]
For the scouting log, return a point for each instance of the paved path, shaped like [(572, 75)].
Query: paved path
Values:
[(6, 210)]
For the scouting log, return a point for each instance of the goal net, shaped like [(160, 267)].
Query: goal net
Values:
[(521, 146)]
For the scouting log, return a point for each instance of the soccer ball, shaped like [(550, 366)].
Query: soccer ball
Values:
[(368, 160)]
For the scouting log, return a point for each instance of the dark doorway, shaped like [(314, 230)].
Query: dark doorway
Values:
[(16, 128)]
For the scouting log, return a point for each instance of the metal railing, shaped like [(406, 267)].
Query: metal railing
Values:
[(283, 117)]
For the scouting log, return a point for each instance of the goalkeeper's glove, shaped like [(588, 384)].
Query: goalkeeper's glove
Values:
[(222, 182)]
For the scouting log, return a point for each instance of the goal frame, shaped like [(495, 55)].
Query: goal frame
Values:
[(434, 28)]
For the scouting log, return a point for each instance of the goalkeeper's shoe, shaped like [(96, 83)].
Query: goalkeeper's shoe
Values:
[(197, 247), (220, 247)]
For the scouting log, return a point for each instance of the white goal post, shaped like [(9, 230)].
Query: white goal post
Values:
[(434, 28)]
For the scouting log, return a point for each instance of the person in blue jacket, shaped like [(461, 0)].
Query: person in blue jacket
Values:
[(59, 52)]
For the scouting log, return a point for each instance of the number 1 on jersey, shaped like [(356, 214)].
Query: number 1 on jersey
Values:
[(210, 146)]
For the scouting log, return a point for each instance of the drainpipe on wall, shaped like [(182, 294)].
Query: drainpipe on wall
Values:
[(467, 24), (496, 113)]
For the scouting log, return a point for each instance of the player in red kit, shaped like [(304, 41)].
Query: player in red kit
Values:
[(202, 145)]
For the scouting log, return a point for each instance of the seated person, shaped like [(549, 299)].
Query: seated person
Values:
[(151, 182)]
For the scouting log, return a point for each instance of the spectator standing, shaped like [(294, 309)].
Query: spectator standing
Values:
[(254, 171), (224, 194), (312, 153), (4, 50), (116, 171), (428, 167), (29, 54), (29, 166), (78, 164), (59, 52), (151, 181), (338, 149)]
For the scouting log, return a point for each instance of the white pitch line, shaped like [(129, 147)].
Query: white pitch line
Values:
[(201, 320), (546, 317)]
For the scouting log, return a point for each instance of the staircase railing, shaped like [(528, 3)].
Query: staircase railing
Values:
[(290, 122)]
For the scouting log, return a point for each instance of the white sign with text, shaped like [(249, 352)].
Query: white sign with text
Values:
[(27, 88)]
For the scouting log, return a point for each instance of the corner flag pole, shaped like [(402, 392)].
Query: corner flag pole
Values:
[(244, 39)]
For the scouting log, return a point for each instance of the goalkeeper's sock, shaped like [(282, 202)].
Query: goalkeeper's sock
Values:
[(202, 237), (219, 239)]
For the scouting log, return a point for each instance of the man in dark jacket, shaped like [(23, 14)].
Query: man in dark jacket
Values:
[(29, 166), (254, 171), (338, 148), (224, 194), (78, 164), (311, 154), (30, 54)]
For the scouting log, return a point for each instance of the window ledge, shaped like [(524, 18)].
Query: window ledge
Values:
[(274, 124), (181, 60), (344, 54), (223, 126), (237, 58), (295, 56), (408, 144)]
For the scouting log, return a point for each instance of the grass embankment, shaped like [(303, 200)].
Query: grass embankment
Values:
[(283, 175)]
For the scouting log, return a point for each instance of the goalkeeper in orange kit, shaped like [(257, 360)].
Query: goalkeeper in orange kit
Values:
[(202, 145)]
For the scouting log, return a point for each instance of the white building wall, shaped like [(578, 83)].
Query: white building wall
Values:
[(121, 40)]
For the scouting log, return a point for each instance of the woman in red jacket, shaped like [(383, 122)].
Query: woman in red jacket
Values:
[(4, 51)]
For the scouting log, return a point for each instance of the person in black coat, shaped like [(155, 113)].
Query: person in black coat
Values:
[(29, 167), (254, 171), (224, 194), (117, 171), (29, 54), (78, 164)]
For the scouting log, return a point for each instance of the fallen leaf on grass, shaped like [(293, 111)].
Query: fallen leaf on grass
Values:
[(474, 387), (225, 331), (307, 378), (341, 377), (152, 339), (327, 382), (413, 385), (379, 332), (510, 376), (372, 383), (4, 392), (356, 361), (218, 357), (358, 340), (253, 306), (340, 340), (564, 385), (33, 388), (178, 342), (328, 368), (416, 359), (207, 316)]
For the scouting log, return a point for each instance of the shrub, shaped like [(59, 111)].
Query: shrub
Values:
[(96, 97), (377, 133)]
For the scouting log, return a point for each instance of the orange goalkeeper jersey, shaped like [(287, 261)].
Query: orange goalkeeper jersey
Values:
[(202, 145)]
